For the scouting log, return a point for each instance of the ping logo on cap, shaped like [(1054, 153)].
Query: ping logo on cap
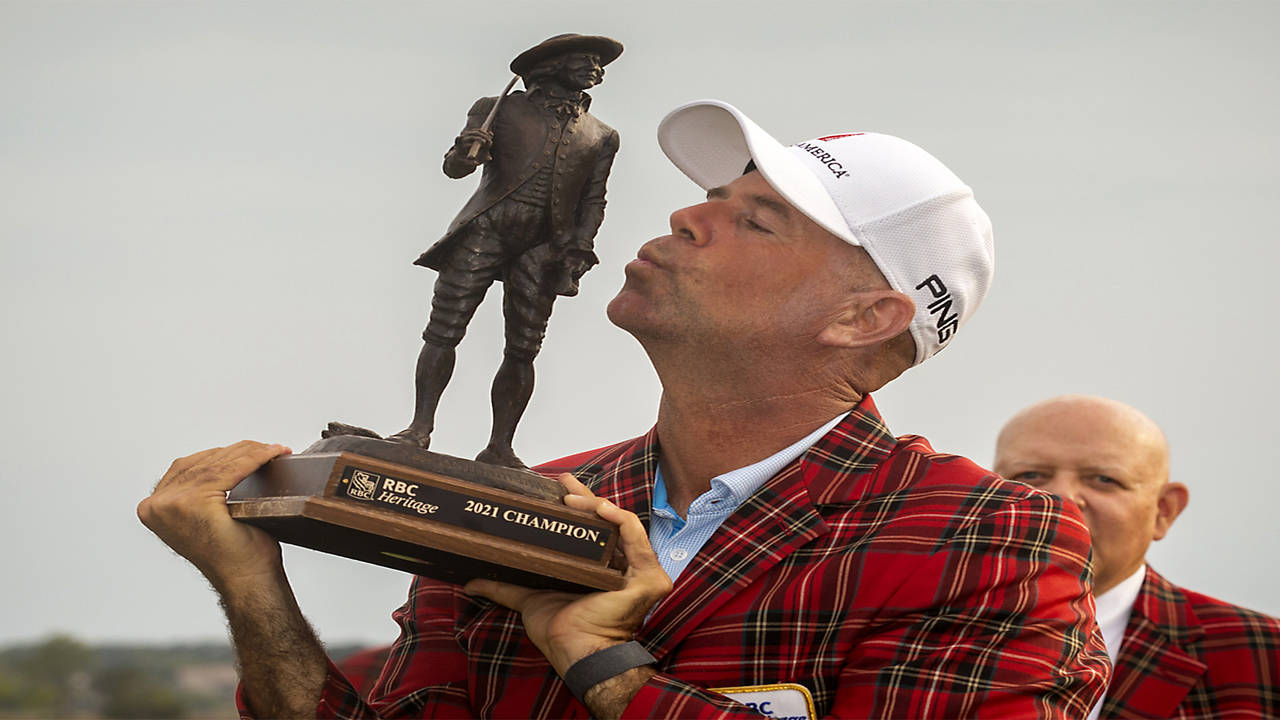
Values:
[(941, 305)]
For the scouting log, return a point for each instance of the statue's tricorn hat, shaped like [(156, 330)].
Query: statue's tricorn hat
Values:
[(606, 48)]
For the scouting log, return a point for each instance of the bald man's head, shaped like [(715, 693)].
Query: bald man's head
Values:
[(1107, 458)]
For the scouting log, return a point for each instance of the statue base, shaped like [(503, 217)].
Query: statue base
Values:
[(451, 519)]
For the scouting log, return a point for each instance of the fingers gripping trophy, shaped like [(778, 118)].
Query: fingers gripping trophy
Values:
[(530, 225)]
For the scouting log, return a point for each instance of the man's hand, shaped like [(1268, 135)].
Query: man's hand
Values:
[(568, 627), (282, 664), (479, 139), (578, 262), (188, 511)]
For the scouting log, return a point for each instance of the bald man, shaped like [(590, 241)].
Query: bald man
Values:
[(1175, 653)]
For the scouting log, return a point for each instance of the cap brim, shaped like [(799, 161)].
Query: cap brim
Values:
[(712, 141)]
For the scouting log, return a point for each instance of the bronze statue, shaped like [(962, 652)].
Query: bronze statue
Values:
[(531, 224)]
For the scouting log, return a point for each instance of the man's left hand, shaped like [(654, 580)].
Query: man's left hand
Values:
[(568, 627)]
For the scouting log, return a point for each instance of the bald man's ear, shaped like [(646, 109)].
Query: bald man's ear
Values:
[(869, 317), (1173, 500)]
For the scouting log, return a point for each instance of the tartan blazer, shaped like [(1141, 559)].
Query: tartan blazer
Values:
[(889, 580), (1187, 655), (363, 667)]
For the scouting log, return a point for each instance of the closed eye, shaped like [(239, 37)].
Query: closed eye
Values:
[(1030, 477)]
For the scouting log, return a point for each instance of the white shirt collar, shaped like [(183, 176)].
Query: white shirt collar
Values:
[(1114, 607)]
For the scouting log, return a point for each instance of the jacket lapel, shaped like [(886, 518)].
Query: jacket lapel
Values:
[(777, 519), (1157, 664), (774, 521), (628, 480)]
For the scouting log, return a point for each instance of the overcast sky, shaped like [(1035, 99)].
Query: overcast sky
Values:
[(210, 212)]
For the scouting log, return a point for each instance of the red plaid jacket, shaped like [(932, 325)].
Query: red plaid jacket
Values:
[(887, 579), (363, 667), (1187, 655)]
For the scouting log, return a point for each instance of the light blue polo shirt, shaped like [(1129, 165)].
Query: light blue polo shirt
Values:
[(676, 540)]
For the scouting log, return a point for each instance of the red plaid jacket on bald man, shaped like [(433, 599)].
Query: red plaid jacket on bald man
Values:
[(888, 580), (1187, 655)]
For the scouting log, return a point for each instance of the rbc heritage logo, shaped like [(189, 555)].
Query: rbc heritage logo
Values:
[(363, 484)]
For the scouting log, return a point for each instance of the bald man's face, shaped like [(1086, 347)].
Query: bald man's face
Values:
[(1109, 460)]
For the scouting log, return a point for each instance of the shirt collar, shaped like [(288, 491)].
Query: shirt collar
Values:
[(740, 484), (1121, 597), (1114, 607)]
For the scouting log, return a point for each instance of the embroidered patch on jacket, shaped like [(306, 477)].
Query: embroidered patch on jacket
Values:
[(780, 701)]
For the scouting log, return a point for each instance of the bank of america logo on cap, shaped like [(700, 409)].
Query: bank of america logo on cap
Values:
[(916, 220)]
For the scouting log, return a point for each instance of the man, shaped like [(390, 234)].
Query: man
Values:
[(787, 555), (1175, 652), (531, 224)]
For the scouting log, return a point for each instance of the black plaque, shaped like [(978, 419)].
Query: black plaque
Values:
[(552, 529), (420, 521)]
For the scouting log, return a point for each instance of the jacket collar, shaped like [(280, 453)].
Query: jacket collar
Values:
[(837, 469), (782, 515), (1162, 604), (1159, 642)]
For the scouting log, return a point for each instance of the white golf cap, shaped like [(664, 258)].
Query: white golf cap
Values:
[(916, 220)]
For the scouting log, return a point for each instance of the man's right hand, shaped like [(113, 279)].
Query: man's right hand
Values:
[(188, 511), (471, 139)]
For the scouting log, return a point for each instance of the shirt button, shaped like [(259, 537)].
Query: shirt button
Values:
[(678, 554)]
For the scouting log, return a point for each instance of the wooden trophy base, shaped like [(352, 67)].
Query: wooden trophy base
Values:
[(429, 514)]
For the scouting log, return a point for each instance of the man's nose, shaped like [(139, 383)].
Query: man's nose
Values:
[(1066, 487), (691, 224)]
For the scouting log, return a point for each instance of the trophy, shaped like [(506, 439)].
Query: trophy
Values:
[(531, 225)]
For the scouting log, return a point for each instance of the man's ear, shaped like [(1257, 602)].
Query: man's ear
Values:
[(868, 318), (1172, 501)]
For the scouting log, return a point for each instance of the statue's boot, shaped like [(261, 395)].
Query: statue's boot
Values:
[(411, 435), (338, 429), (503, 456)]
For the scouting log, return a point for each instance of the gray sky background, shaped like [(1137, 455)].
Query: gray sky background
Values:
[(210, 210)]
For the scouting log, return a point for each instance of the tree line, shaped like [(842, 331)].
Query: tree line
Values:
[(61, 676)]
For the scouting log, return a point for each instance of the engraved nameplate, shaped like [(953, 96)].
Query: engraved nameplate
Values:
[(445, 518), (475, 511)]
